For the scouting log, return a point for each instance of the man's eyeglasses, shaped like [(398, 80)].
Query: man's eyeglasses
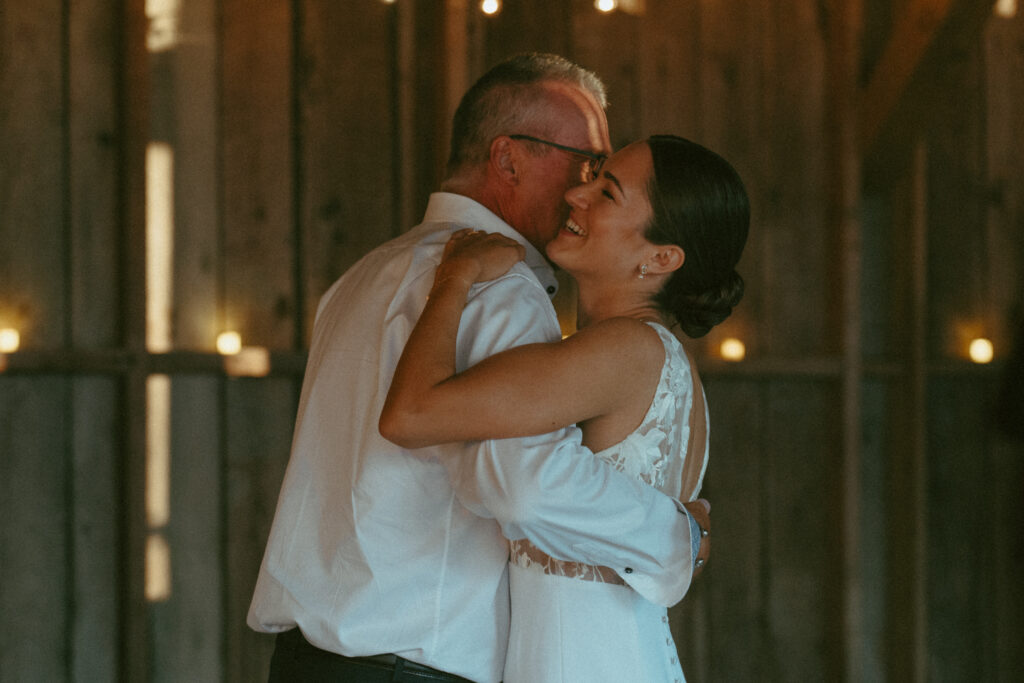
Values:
[(592, 165)]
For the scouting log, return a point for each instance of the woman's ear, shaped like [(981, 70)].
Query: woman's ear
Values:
[(504, 159), (667, 258)]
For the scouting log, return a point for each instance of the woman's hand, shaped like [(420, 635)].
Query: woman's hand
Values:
[(477, 256)]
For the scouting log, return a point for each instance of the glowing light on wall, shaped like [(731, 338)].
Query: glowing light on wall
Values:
[(10, 340), (158, 568), (158, 450), (981, 351), (159, 245), (1006, 8), (490, 6), (164, 17), (158, 486), (250, 361), (606, 5), (733, 349), (229, 343)]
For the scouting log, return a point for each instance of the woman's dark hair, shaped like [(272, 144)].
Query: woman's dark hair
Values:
[(699, 203)]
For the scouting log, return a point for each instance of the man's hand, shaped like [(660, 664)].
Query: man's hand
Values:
[(701, 511)]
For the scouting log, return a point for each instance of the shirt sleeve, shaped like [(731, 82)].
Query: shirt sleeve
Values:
[(551, 489)]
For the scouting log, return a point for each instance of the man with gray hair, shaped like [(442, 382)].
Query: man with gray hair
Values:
[(385, 566)]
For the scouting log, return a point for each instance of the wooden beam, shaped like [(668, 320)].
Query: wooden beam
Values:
[(844, 30), (921, 26)]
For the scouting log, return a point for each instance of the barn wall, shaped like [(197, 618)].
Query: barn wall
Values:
[(301, 134)]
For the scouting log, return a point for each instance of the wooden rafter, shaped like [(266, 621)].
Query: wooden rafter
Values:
[(915, 31)]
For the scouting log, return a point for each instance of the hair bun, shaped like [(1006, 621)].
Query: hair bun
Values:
[(698, 313)]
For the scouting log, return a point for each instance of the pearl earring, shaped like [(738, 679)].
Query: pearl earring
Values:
[(643, 271)]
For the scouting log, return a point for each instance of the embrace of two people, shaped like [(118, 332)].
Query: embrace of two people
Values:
[(470, 497)]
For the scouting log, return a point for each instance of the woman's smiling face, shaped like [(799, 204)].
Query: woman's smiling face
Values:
[(604, 235)]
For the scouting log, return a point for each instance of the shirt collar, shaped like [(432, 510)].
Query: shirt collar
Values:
[(447, 207)]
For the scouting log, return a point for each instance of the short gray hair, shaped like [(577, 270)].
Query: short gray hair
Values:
[(509, 97)]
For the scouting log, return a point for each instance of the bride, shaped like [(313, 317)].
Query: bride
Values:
[(652, 241)]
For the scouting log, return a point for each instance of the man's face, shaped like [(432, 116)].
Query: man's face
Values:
[(580, 123)]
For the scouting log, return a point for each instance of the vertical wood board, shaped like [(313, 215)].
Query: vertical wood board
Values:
[(34, 538), (188, 628), (93, 172), (260, 415), (96, 509), (186, 101), (33, 288), (259, 183), (346, 115)]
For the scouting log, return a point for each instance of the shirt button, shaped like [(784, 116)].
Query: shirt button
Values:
[(629, 570), (551, 289)]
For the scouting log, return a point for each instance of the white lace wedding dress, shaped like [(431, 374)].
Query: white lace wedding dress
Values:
[(578, 623)]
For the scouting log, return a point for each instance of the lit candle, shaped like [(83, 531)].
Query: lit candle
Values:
[(229, 343), (981, 350), (733, 349), (10, 340)]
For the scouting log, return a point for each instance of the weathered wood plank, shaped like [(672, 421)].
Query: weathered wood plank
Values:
[(93, 34), (96, 511), (260, 415), (188, 628), (34, 430), (93, 164), (669, 75), (957, 628), (736, 484), (259, 180), (33, 173), (530, 26), (345, 117), (34, 541), (185, 116), (801, 448)]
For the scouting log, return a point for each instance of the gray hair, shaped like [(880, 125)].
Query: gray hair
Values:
[(508, 99)]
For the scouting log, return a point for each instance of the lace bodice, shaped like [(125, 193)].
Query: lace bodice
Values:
[(667, 451)]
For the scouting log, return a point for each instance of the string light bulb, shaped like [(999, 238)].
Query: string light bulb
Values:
[(733, 349), (606, 5), (490, 6), (981, 350)]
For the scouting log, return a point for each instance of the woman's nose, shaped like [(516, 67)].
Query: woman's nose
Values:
[(576, 196)]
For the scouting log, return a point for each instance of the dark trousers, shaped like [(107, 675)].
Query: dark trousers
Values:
[(296, 660)]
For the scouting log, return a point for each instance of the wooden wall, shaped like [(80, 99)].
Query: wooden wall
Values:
[(866, 508)]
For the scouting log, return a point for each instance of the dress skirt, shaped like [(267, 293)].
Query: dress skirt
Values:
[(567, 630)]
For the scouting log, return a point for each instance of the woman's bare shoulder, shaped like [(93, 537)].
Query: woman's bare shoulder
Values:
[(625, 338)]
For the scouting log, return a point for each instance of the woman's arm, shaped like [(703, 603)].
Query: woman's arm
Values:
[(530, 389)]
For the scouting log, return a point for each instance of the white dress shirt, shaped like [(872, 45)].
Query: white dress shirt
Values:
[(373, 550)]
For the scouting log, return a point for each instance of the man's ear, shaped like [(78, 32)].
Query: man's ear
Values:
[(667, 258), (505, 159)]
